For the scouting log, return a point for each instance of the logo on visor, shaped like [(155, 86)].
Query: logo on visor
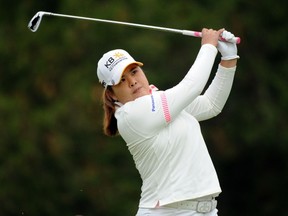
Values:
[(118, 55), (113, 61)]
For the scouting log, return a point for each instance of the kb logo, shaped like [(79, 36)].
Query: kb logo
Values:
[(111, 60)]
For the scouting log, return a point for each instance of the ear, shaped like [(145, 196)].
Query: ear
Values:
[(111, 93)]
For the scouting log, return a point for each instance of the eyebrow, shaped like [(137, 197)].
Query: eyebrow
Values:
[(133, 68)]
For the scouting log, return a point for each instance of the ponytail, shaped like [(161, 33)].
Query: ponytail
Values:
[(109, 121)]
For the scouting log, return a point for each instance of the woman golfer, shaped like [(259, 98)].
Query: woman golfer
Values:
[(161, 128)]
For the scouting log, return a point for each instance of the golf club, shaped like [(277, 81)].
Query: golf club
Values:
[(36, 20)]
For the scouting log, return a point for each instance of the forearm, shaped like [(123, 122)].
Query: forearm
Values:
[(193, 83), (213, 100), (220, 88), (198, 75)]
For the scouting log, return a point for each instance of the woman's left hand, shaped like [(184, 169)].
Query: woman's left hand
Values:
[(227, 49)]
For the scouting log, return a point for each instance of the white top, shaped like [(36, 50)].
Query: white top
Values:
[(163, 134)]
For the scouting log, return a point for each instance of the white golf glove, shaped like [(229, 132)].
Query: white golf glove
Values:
[(228, 50)]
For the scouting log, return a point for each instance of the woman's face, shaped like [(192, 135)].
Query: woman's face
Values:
[(133, 84)]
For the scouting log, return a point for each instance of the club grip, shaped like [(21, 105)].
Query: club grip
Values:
[(236, 40)]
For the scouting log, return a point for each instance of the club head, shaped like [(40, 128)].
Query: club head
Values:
[(35, 21)]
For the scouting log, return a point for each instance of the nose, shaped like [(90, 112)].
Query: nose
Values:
[(132, 81)]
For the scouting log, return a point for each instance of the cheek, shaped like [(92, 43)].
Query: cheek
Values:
[(121, 93), (144, 80)]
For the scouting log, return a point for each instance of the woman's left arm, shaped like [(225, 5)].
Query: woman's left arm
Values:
[(211, 103)]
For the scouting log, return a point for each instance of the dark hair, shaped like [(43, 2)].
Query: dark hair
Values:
[(109, 121)]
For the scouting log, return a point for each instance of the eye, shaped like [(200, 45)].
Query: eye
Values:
[(122, 80), (134, 71)]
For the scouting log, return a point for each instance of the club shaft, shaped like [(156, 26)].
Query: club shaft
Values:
[(184, 32), (118, 22)]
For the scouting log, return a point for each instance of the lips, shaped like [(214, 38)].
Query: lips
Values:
[(136, 90)]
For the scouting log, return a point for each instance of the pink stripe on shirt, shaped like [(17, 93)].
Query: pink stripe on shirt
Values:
[(165, 108)]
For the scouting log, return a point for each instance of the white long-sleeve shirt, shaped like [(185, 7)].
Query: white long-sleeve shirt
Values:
[(163, 135)]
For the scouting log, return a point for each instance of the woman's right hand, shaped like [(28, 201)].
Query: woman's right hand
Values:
[(210, 36)]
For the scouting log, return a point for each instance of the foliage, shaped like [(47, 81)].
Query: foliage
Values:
[(55, 159)]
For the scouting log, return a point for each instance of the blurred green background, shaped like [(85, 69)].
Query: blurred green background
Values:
[(54, 159)]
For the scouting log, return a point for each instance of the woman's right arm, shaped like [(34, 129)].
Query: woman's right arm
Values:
[(174, 100)]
